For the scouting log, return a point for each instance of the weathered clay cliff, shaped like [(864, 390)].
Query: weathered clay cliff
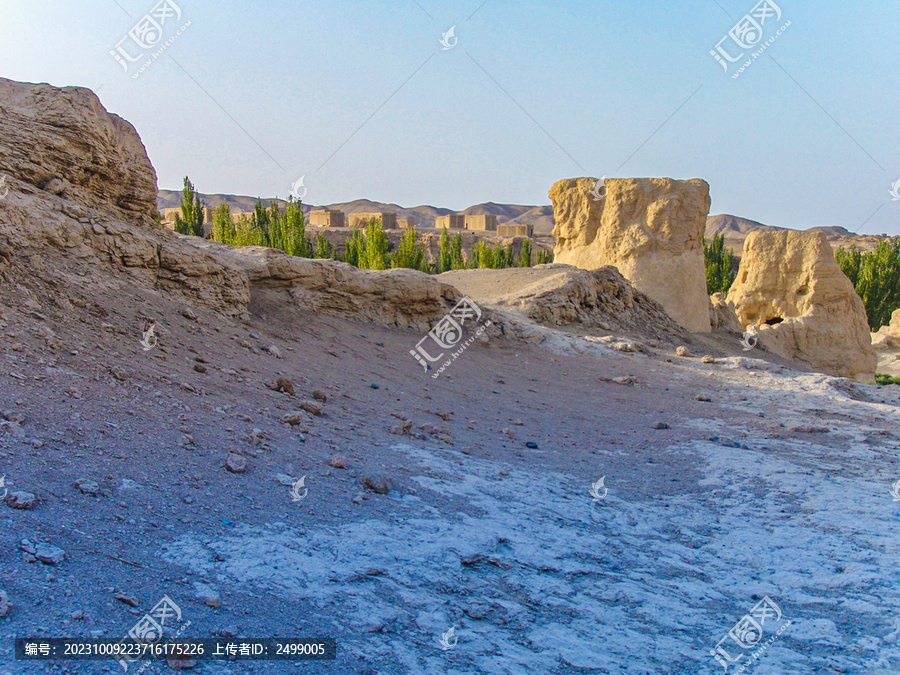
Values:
[(82, 186), (650, 229), (790, 287)]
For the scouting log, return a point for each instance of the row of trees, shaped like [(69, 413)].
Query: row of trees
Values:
[(876, 277), (368, 248)]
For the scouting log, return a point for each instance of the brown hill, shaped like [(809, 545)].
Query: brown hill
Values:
[(736, 229)]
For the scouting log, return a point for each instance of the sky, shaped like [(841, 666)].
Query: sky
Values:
[(363, 100)]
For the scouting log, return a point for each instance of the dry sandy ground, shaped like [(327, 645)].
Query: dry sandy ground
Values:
[(776, 483)]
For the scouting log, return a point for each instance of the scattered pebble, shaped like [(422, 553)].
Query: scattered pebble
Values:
[(320, 395), (180, 661), (87, 487), (284, 385), (236, 463), (338, 462), (275, 351), (683, 352), (127, 599), (402, 429), (293, 418), (660, 425), (707, 359), (199, 367), (311, 408), (808, 429), (47, 554), (374, 386), (702, 398), (21, 500), (531, 444), (377, 484), (284, 479), (207, 595), (625, 379)]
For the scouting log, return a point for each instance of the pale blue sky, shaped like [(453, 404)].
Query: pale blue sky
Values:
[(298, 78)]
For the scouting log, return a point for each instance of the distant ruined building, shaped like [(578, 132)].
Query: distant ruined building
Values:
[(515, 230), (326, 218), (360, 220), (451, 222), (458, 221), (485, 223)]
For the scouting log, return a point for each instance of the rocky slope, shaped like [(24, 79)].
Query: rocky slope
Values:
[(595, 302)]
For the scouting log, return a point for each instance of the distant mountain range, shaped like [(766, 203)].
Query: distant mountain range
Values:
[(734, 228)]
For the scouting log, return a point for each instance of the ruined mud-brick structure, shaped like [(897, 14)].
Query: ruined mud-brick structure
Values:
[(451, 222), (515, 230), (326, 218), (483, 223), (388, 220)]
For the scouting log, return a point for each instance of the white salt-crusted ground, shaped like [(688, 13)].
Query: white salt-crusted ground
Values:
[(536, 577)]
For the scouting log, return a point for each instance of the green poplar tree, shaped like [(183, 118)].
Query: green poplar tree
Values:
[(444, 261), (376, 247), (223, 230), (259, 224), (296, 240), (719, 265), (409, 252), (354, 248), (544, 257), (456, 253), (324, 248), (190, 221), (525, 253)]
